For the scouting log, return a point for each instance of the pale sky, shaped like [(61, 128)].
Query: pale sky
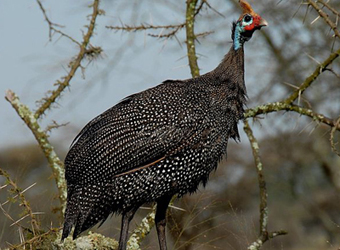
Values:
[(131, 62)]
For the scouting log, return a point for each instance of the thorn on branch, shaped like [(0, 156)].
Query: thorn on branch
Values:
[(35, 226), (310, 79), (334, 11), (146, 26), (323, 15), (167, 35)]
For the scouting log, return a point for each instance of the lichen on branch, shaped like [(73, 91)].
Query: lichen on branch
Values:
[(54, 162), (191, 37), (264, 234)]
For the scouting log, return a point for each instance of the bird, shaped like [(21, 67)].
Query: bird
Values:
[(155, 144)]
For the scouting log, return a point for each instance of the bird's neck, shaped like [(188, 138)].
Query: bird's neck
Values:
[(231, 70)]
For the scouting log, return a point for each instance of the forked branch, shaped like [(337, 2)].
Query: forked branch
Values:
[(74, 64)]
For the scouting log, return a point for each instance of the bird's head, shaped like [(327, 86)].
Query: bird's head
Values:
[(245, 26)]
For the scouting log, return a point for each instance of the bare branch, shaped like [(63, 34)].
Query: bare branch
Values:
[(310, 79), (74, 64), (51, 26), (23, 202), (167, 35), (323, 15), (22, 192), (282, 106), (329, 7), (130, 28), (264, 234), (54, 125)]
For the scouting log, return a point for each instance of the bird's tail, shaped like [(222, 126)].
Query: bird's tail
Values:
[(86, 207), (72, 211)]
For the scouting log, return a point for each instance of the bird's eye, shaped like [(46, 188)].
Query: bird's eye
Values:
[(247, 18)]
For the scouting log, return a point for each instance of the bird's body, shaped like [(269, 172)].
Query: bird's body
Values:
[(152, 145)]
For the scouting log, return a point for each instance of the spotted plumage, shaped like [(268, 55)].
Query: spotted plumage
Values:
[(154, 144)]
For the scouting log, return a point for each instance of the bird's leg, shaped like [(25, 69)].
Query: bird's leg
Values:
[(124, 231), (160, 220)]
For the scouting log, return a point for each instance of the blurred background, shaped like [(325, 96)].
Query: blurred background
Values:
[(302, 172)]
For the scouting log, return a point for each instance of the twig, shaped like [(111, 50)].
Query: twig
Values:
[(23, 202), (55, 163), (199, 8), (325, 17), (167, 35), (146, 27), (36, 239), (329, 7), (310, 79), (22, 192), (189, 26), (51, 26), (54, 125), (264, 234), (213, 9), (75, 64), (334, 73), (8, 215)]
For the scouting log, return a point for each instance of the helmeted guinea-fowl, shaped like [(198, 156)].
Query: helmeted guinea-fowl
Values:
[(157, 143)]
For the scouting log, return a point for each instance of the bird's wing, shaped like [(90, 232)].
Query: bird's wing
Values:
[(136, 133)]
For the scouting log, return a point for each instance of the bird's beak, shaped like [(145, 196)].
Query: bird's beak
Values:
[(263, 22)]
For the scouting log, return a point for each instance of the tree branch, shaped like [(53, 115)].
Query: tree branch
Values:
[(54, 162), (329, 7), (130, 28), (310, 79), (23, 203), (281, 106), (264, 234), (75, 64), (189, 26), (324, 16), (142, 230), (51, 25)]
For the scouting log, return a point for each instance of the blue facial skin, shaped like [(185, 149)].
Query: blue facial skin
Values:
[(238, 39)]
